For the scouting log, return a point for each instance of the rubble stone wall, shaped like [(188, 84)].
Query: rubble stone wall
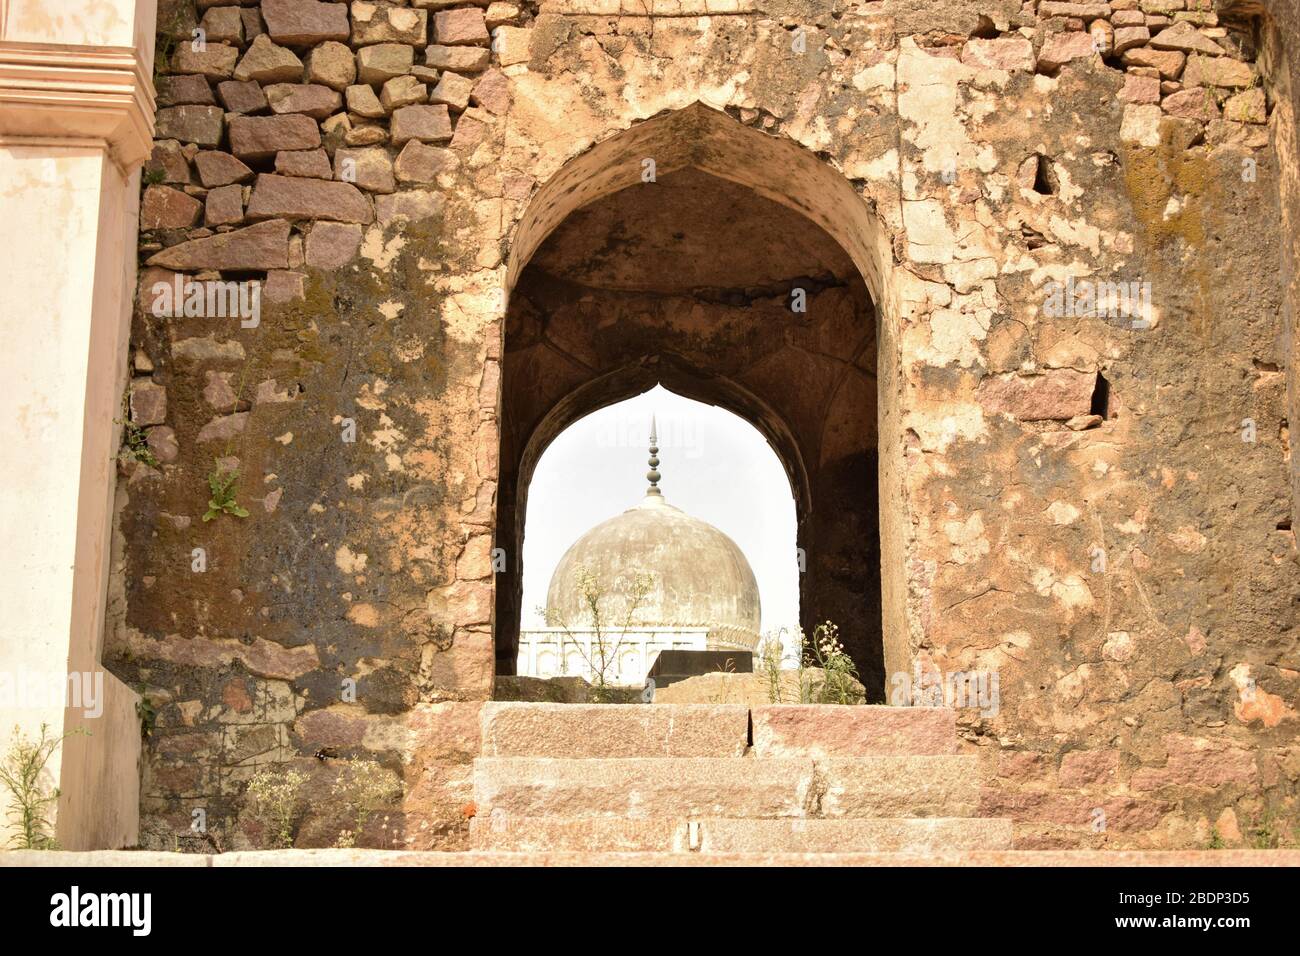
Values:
[(1095, 509)]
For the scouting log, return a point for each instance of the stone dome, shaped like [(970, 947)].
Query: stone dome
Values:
[(701, 577)]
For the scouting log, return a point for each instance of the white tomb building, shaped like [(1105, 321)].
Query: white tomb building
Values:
[(701, 594)]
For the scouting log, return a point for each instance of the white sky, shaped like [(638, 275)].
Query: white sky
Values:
[(715, 466)]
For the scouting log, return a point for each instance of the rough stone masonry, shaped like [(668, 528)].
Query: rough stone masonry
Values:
[(1096, 503)]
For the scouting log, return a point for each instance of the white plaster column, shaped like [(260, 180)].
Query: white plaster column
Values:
[(76, 121)]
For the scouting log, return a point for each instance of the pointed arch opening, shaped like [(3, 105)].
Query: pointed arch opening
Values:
[(717, 504), (734, 268)]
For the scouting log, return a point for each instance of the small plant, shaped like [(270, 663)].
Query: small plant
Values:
[(135, 445), (364, 787), (724, 691), (593, 593), (165, 46), (223, 482), (275, 801), (21, 774), (155, 176), (223, 486), (135, 441), (771, 654), (146, 710), (1216, 840), (1264, 835), (839, 683)]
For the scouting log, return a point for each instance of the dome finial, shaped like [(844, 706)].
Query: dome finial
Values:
[(653, 474)]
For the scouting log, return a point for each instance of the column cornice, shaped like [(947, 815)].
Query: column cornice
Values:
[(66, 94)]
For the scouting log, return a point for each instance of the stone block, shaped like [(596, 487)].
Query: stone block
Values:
[(1061, 48), (428, 124), (513, 44), (1218, 71), (310, 99), (1005, 53), (242, 96), (609, 730), (462, 26), (459, 59), (216, 168), (402, 91), (184, 91), (261, 137), (368, 169), (418, 163), (1057, 394), (214, 60), (165, 208), (1185, 38), (332, 64), (1169, 62), (831, 730), (267, 62), (202, 125), (287, 197), (223, 25), (453, 90), (380, 63), (311, 163), (224, 206), (305, 22), (259, 247), (148, 402), (387, 23), (492, 92), (363, 102), (332, 245)]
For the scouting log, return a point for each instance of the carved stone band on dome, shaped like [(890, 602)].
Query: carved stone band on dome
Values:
[(77, 95)]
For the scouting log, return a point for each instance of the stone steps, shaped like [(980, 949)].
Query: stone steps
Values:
[(726, 780), (762, 788), (798, 835)]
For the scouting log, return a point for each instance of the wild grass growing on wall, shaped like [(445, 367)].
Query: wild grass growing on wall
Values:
[(825, 673), (275, 800), (364, 787)]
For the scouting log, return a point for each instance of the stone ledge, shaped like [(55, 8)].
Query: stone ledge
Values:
[(66, 94), (604, 730), (984, 858)]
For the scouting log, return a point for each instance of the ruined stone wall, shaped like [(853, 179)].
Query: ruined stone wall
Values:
[(1109, 546)]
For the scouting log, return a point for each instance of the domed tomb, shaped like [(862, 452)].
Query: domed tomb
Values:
[(702, 592), (700, 576)]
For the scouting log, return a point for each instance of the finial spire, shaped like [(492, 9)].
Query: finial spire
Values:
[(653, 474)]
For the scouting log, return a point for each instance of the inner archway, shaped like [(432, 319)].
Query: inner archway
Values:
[(734, 275), (714, 468)]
